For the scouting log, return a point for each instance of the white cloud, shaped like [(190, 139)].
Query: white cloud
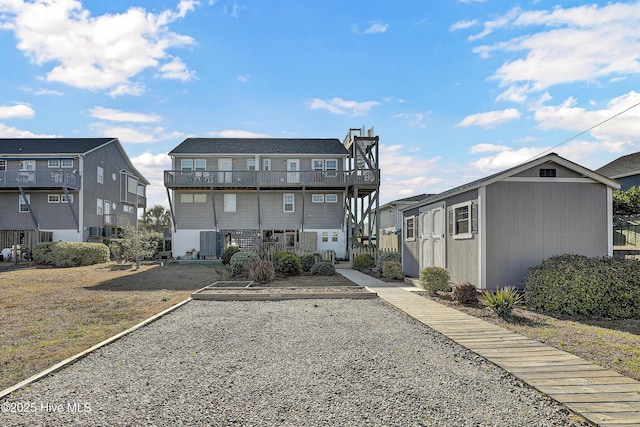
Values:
[(487, 148), (341, 106), (506, 158), (394, 162), (414, 119), (10, 132), (233, 133), (596, 43), (19, 111), (177, 70), (152, 167), (490, 118), (461, 25), (243, 78), (122, 116), (103, 52), (135, 135), (45, 92), (376, 27), (128, 88)]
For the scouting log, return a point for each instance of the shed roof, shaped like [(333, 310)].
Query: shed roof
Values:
[(260, 146), (18, 146), (406, 200), (552, 157), (622, 166)]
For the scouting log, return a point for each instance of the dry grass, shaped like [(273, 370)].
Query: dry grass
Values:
[(614, 344)]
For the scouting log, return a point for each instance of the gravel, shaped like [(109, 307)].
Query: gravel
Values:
[(288, 363)]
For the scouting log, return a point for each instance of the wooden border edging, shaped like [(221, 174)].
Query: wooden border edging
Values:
[(58, 366)]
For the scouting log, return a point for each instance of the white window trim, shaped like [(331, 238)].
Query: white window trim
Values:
[(67, 165), (455, 234), (24, 163), (53, 163), (53, 198), (334, 236), (406, 227), (249, 161), (313, 166), (266, 164), (202, 166), (332, 196), (186, 198), (331, 172), (317, 198), (293, 203), (199, 198), (230, 203), (3, 165), (27, 198), (99, 207), (100, 175), (63, 198)]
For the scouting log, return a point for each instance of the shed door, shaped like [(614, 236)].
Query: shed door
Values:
[(432, 237)]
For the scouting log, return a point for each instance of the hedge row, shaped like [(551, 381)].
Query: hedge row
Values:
[(576, 285), (70, 254)]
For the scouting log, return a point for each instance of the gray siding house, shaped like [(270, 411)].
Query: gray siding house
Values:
[(625, 170), (391, 213), (79, 189), (491, 231), (257, 191)]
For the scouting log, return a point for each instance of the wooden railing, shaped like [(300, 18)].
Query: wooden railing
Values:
[(41, 179)]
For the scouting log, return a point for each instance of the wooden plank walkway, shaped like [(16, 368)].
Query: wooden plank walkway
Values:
[(602, 396)]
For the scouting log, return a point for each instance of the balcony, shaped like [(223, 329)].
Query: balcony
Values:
[(39, 179), (176, 179), (119, 220)]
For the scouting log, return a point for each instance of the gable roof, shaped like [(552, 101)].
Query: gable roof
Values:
[(622, 166), (552, 157), (406, 200), (19, 146), (62, 146), (260, 146)]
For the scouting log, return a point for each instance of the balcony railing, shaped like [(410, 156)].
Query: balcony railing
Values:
[(268, 179), (39, 179), (118, 220)]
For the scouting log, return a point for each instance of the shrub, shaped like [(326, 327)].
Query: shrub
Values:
[(503, 301), (388, 256), (465, 293), (228, 253), (323, 269), (70, 254), (435, 279), (392, 270), (289, 264), (307, 261), (362, 262), (240, 262), (279, 254), (576, 285), (261, 271)]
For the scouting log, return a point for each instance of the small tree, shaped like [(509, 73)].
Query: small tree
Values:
[(156, 218), (136, 244)]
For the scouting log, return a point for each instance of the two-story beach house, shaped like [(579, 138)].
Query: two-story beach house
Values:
[(76, 189), (252, 192)]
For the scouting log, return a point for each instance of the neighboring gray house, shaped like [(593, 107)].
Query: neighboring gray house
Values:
[(625, 170), (391, 213), (491, 231), (78, 189), (258, 191)]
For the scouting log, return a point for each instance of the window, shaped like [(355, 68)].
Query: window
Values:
[(63, 198), (66, 163), (28, 165), (317, 198), (128, 208), (334, 236), (23, 203), (410, 228), (229, 202), (266, 164), (461, 221), (200, 164), (251, 164), (325, 236), (53, 163), (288, 202), (53, 198), (186, 198), (331, 166), (186, 164), (100, 175), (3, 165), (547, 173), (317, 165), (200, 198), (331, 198), (225, 166), (99, 206), (132, 185)]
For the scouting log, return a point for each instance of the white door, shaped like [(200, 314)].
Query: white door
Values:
[(432, 237), (293, 166), (224, 171)]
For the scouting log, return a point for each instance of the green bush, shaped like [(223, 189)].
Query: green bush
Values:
[(392, 270), (307, 261), (503, 301), (576, 285), (228, 253), (363, 261), (465, 293), (288, 264), (279, 254), (70, 254), (435, 279), (323, 269), (388, 256), (240, 262), (261, 272)]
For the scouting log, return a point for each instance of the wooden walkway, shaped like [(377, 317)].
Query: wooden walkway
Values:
[(600, 395)]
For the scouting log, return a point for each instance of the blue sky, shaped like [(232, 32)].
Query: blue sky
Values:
[(456, 90)]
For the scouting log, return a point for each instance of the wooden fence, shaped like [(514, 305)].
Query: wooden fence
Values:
[(268, 250), (354, 252)]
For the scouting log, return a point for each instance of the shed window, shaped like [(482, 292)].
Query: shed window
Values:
[(410, 228), (460, 221), (547, 173)]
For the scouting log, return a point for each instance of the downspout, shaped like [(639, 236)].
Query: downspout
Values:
[(173, 217), (213, 207)]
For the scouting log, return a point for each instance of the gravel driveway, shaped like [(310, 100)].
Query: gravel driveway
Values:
[(288, 363)]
